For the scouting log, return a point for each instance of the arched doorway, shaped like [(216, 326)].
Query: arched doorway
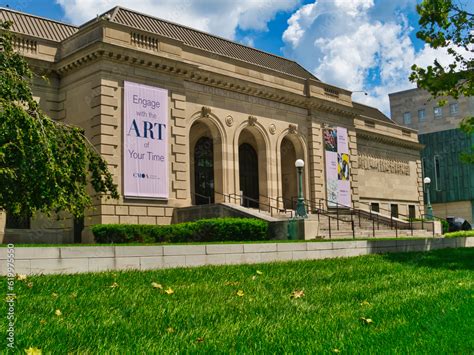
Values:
[(206, 162), (248, 174), (291, 149), (204, 171), (289, 183)]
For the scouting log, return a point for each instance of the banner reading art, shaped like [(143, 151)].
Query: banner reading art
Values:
[(145, 141), (337, 166)]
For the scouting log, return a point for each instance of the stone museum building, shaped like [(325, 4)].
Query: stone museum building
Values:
[(186, 118), (452, 181)]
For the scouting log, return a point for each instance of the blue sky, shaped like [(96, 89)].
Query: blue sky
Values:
[(366, 45)]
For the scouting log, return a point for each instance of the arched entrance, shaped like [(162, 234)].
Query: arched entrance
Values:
[(289, 182), (206, 177), (291, 149), (248, 174), (204, 171), (253, 177)]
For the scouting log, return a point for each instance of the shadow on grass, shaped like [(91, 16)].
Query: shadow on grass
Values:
[(451, 259)]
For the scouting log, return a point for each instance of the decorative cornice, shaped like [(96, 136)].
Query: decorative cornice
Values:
[(378, 137)]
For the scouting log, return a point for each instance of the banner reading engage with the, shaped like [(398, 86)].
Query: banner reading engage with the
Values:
[(145, 144)]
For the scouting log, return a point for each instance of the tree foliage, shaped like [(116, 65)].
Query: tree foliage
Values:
[(445, 24), (45, 165)]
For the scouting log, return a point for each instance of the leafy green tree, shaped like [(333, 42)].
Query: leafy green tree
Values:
[(446, 24), (45, 166)]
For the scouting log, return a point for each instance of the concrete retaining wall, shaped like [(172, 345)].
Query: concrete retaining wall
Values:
[(54, 260)]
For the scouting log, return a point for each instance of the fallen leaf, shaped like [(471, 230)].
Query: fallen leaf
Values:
[(20, 277), (33, 351), (58, 313), (259, 272), (461, 284), (366, 320), (240, 293), (42, 322), (54, 295), (156, 285), (254, 277), (231, 283), (199, 340), (297, 294), (114, 285), (169, 291), (365, 303), (170, 330), (74, 295), (29, 284), (336, 350)]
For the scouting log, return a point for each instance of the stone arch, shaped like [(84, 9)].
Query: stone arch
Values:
[(290, 147), (206, 130), (255, 136)]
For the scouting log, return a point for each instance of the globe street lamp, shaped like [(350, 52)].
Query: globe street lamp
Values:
[(300, 207), (429, 215)]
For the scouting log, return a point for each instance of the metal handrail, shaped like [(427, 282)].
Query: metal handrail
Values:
[(204, 196)]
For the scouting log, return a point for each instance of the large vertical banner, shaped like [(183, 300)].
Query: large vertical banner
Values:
[(337, 167), (145, 141)]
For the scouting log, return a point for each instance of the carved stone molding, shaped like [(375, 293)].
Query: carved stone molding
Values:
[(229, 121), (252, 120), (205, 111), (292, 129), (272, 128)]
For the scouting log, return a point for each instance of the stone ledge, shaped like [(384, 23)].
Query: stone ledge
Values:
[(69, 260)]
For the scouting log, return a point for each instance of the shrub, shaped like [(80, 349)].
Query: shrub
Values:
[(459, 234), (205, 230)]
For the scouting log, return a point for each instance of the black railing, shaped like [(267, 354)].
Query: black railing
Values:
[(208, 198)]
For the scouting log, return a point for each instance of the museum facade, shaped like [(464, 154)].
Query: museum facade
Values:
[(183, 118)]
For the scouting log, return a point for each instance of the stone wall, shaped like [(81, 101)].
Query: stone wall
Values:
[(69, 260)]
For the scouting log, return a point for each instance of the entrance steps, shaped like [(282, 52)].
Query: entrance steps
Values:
[(330, 225)]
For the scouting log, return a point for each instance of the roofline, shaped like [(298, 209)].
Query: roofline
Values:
[(40, 17), (404, 91), (115, 9)]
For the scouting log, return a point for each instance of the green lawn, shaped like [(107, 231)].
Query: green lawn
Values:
[(418, 303)]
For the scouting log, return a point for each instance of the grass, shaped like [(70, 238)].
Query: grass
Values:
[(418, 302)]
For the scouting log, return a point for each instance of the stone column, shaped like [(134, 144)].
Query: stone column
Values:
[(179, 151), (316, 161), (354, 160)]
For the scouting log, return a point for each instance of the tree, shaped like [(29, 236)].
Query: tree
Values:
[(445, 24), (45, 166)]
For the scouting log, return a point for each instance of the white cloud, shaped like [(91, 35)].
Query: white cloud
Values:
[(354, 43), (219, 17)]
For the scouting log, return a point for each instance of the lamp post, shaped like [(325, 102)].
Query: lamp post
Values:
[(429, 215), (300, 207)]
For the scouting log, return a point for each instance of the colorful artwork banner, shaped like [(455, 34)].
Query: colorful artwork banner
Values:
[(338, 184), (145, 143)]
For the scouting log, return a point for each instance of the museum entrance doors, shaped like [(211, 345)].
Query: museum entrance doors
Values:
[(204, 171), (248, 174)]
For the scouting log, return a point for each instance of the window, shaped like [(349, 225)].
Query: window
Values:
[(394, 210), (423, 165), (374, 207), (454, 108), (407, 118), (438, 112), (437, 173), (411, 212), (421, 115)]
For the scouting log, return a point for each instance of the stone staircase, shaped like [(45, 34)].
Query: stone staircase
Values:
[(332, 224)]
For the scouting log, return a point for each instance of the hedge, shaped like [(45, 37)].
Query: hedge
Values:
[(205, 230), (457, 234)]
